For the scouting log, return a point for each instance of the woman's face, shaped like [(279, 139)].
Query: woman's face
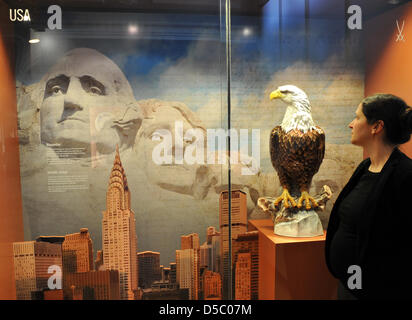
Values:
[(361, 130)]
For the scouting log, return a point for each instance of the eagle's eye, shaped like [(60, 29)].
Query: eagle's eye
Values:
[(285, 91)]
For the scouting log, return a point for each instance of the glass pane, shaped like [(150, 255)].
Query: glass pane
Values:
[(114, 106), (299, 69), (136, 136)]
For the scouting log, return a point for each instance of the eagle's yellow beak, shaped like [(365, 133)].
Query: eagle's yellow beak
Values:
[(276, 94)]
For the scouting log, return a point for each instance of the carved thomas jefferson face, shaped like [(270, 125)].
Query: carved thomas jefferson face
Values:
[(83, 84), (171, 176), (180, 174)]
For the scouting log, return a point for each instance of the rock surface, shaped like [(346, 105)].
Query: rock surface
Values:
[(291, 222), (304, 224)]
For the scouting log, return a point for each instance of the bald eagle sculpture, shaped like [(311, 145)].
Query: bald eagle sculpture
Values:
[(297, 148)]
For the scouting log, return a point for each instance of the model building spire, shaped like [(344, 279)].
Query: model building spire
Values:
[(118, 194), (119, 235)]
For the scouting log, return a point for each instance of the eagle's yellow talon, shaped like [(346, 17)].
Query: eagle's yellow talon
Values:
[(308, 201), (286, 198)]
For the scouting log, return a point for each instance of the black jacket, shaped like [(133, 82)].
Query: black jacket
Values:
[(384, 235)]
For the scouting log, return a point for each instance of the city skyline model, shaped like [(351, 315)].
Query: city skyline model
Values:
[(201, 272)]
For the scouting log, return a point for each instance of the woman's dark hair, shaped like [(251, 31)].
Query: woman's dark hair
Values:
[(395, 114)]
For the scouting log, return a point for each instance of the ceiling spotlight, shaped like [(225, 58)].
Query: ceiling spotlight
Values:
[(247, 32), (133, 29), (34, 40)]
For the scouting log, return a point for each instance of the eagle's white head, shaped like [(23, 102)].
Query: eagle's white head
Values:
[(298, 111), (292, 96)]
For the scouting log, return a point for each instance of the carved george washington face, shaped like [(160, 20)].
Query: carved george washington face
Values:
[(78, 93)]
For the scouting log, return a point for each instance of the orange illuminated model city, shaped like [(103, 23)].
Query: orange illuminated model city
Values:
[(246, 246), (93, 285), (190, 241), (149, 268), (187, 265), (237, 225), (243, 276), (77, 251), (32, 260), (212, 286)]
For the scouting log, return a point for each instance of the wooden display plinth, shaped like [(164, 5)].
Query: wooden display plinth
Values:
[(292, 268)]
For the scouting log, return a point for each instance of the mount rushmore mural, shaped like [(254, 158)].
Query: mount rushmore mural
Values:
[(82, 106)]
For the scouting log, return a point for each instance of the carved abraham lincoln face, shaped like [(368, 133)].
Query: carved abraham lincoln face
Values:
[(80, 92)]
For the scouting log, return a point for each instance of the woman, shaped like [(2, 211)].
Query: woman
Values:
[(371, 221)]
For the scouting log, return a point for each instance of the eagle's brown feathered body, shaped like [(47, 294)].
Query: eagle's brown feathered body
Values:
[(296, 156)]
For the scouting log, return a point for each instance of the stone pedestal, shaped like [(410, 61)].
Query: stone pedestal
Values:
[(292, 268)]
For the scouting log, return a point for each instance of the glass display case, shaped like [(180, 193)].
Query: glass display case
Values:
[(136, 139)]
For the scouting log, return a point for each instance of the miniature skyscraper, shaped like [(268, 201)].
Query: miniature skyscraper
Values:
[(238, 225), (119, 232)]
